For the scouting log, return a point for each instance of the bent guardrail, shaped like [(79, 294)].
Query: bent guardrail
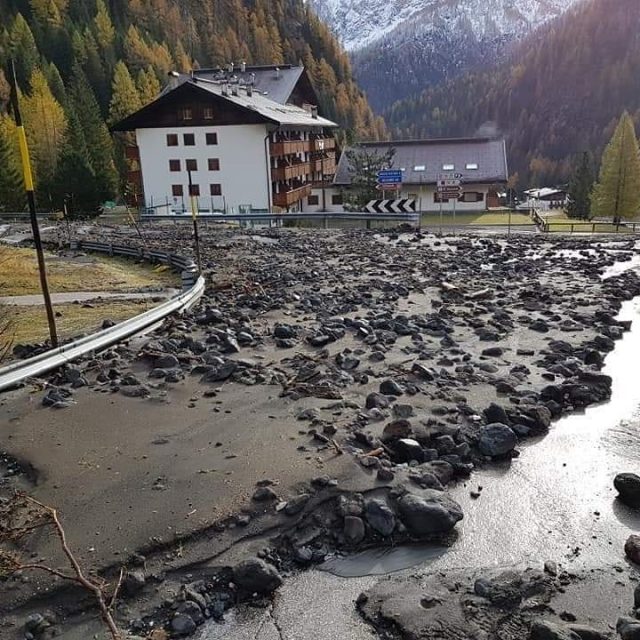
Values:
[(16, 372)]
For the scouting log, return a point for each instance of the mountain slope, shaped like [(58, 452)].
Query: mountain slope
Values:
[(401, 46), (559, 93)]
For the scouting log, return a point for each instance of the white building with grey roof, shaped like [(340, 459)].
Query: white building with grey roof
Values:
[(480, 164), (245, 139)]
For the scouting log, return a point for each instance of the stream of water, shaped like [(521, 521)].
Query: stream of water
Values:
[(555, 502)]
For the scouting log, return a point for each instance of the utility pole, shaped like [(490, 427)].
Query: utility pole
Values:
[(28, 185), (195, 221)]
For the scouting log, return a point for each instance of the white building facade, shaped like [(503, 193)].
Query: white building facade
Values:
[(480, 164), (215, 139)]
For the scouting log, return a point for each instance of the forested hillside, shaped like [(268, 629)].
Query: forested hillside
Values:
[(560, 93), (83, 64)]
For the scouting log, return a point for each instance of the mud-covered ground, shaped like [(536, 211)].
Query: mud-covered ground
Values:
[(331, 392)]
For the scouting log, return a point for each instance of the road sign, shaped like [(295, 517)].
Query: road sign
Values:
[(449, 176), (388, 187), (390, 176), (404, 205), (448, 184), (450, 193)]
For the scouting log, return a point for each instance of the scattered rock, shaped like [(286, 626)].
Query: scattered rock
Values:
[(256, 576), (497, 440)]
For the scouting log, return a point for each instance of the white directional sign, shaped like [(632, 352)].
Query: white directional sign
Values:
[(404, 205)]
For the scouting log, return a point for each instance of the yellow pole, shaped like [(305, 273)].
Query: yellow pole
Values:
[(28, 185)]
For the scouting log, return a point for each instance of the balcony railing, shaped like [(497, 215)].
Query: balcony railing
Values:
[(289, 172), (288, 198), (323, 144), (327, 166), (290, 147)]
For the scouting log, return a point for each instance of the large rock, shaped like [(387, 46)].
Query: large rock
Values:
[(632, 548), (429, 513), (628, 486), (587, 633), (496, 413), (497, 440), (256, 576), (380, 517), (354, 530), (182, 625), (628, 628), (550, 631)]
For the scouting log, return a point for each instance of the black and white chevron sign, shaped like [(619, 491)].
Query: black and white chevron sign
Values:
[(405, 205)]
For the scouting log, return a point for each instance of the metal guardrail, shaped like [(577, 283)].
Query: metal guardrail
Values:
[(16, 372), (284, 217)]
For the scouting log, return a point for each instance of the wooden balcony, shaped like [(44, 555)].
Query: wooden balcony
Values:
[(323, 144), (289, 172), (289, 147), (325, 165), (289, 198)]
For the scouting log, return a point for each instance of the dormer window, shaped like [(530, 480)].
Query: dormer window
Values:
[(471, 166), (448, 167), (420, 167)]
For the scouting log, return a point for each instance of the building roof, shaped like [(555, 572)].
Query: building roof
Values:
[(478, 160), (247, 100), (276, 82), (545, 192), (282, 114)]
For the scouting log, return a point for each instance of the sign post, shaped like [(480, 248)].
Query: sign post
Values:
[(449, 188), (29, 187)]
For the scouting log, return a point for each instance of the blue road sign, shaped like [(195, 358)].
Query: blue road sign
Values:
[(390, 176)]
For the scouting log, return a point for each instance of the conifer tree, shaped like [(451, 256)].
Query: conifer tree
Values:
[(148, 85), (125, 98), (75, 183), (45, 125), (96, 135), (617, 193), (12, 196), (24, 51), (580, 188), (104, 30)]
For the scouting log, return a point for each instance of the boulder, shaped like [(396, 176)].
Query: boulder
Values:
[(628, 487), (354, 530), (549, 631), (587, 633), (380, 517), (429, 513), (497, 440), (628, 628), (495, 413), (182, 625), (256, 576), (396, 430), (632, 548), (391, 388)]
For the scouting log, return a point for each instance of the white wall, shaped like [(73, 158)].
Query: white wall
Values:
[(329, 192), (243, 167), (425, 200)]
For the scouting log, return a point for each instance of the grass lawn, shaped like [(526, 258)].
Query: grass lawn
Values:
[(29, 324), (490, 218), (19, 273), (589, 227)]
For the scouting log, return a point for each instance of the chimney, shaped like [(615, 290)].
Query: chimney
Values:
[(314, 113), (234, 90), (277, 73), (249, 90), (243, 67), (173, 79), (231, 65), (225, 89)]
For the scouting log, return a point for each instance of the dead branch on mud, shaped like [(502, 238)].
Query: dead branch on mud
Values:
[(20, 516)]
